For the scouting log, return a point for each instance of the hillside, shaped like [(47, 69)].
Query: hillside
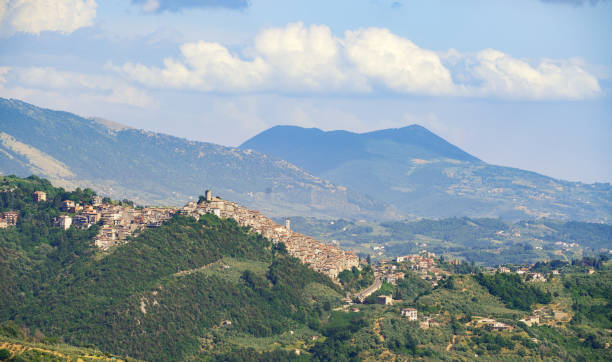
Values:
[(153, 168), (213, 290), (165, 293), (425, 176)]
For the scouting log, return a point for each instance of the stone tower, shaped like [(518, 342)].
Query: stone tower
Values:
[(288, 224), (208, 195)]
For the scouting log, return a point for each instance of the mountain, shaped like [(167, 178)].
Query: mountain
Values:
[(425, 176), (155, 168)]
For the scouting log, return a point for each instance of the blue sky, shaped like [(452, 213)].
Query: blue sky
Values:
[(522, 83)]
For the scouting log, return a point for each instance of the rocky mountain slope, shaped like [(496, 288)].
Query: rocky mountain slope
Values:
[(425, 176), (159, 169)]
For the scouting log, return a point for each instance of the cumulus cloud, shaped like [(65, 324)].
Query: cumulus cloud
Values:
[(204, 66), (396, 62), (35, 16), (157, 6), (508, 77), (297, 58), (108, 89), (305, 58)]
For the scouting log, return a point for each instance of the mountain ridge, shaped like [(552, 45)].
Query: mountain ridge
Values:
[(423, 175), (155, 168)]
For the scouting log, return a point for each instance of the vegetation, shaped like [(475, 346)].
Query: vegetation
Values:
[(356, 279), (513, 291)]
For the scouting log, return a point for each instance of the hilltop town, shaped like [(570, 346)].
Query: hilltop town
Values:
[(119, 221), (324, 258)]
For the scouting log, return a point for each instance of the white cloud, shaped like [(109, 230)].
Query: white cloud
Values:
[(108, 89), (397, 62), (34, 16), (205, 66), (310, 59), (306, 58), (508, 77)]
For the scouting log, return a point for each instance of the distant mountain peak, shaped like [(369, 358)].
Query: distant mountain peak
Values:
[(317, 150)]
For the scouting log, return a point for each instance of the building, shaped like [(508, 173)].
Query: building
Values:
[(40, 196), (65, 221), (208, 195), (288, 224), (68, 206), (96, 200), (497, 326), (411, 313), (537, 277), (531, 320), (10, 217), (385, 300)]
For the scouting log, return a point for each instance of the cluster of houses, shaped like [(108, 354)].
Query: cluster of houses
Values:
[(117, 221), (567, 246), (321, 257), (525, 271), (423, 264)]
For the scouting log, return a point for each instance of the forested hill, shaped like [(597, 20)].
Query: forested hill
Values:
[(158, 169), (164, 295), (423, 175)]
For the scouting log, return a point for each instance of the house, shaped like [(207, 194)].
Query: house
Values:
[(385, 300), (503, 269), (68, 206), (81, 221), (497, 326), (96, 200), (536, 277), (411, 313), (92, 216), (65, 221), (40, 196), (10, 217), (531, 320)]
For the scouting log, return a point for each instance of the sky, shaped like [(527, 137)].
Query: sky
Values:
[(521, 83)]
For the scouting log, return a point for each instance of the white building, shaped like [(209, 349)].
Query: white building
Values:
[(411, 313), (65, 221)]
